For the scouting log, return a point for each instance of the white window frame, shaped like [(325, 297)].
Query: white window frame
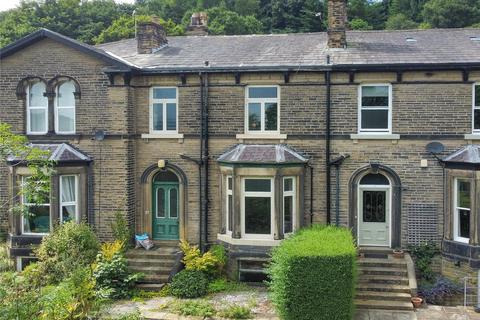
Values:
[(475, 106), (29, 107), (262, 102), (293, 194), (456, 214), (164, 110), (34, 204), (57, 107), (389, 109), (228, 192), (259, 194), (68, 203)]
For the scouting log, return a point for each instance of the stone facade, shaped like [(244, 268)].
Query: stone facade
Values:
[(426, 107)]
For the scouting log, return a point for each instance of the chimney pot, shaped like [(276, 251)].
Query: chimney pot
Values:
[(337, 22), (150, 36), (198, 24)]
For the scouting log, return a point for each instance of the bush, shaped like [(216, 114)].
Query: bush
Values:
[(312, 275), (236, 312), (112, 275), (423, 255), (121, 230), (189, 284), (69, 246), (211, 262), (6, 264), (198, 308), (437, 292)]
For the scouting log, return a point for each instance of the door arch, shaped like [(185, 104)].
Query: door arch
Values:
[(171, 178), (379, 183)]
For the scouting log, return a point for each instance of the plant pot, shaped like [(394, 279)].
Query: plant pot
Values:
[(398, 253), (417, 302)]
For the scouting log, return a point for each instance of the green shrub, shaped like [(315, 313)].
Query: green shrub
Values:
[(236, 312), (113, 276), (198, 308), (423, 255), (218, 251), (121, 230), (189, 284), (6, 264), (208, 262), (313, 275), (16, 301), (69, 246)]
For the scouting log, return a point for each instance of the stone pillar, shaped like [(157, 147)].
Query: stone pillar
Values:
[(337, 21)]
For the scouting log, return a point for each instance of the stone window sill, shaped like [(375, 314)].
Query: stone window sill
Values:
[(375, 136), (162, 136), (248, 242), (472, 136), (260, 136)]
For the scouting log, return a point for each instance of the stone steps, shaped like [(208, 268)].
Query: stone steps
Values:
[(156, 264), (383, 283), (150, 286)]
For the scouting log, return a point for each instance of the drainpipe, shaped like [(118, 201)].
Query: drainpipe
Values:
[(311, 194), (327, 142), (200, 189), (206, 155), (337, 163)]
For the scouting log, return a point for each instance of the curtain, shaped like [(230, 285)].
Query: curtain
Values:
[(68, 189)]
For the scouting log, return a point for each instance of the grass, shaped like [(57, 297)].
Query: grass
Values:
[(199, 308)]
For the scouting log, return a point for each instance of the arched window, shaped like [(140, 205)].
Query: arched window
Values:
[(165, 176), (65, 108), (374, 179), (37, 109)]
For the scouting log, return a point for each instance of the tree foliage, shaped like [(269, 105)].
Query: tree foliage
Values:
[(97, 21)]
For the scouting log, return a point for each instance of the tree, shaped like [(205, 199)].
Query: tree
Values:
[(296, 15), (451, 13), (223, 21), (359, 24), (400, 22), (247, 7), (41, 168)]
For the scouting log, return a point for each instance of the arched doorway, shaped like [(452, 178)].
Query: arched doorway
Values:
[(375, 206), (165, 206)]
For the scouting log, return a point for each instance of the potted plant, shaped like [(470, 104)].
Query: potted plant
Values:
[(398, 253), (417, 301)]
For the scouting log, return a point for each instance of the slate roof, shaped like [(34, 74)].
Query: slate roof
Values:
[(59, 152), (262, 154), (469, 154), (301, 51)]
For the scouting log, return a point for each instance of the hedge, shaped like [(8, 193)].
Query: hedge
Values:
[(313, 275)]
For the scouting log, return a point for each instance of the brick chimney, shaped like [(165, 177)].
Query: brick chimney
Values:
[(150, 36), (337, 22), (198, 24)]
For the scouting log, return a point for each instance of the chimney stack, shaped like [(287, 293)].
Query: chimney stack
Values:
[(337, 23), (198, 24), (150, 36)]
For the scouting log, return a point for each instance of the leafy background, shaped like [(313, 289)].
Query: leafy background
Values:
[(98, 21)]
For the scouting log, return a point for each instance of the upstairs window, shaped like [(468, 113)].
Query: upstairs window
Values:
[(462, 209), (65, 108), (476, 108), (37, 109), (375, 107), (164, 111), (68, 198), (37, 220), (262, 114)]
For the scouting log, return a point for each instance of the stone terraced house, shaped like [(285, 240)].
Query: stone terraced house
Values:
[(244, 139)]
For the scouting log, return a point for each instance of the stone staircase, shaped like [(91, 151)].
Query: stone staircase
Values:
[(156, 264), (384, 282)]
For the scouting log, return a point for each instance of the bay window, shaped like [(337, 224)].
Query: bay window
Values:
[(68, 198), (262, 109), (37, 109), (163, 110), (257, 207), (65, 108), (476, 108), (462, 210), (375, 108)]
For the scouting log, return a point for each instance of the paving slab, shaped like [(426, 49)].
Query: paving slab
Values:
[(373, 314)]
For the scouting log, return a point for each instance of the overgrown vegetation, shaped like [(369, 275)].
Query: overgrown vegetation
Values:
[(6, 264), (198, 308), (234, 311), (423, 255), (437, 291), (69, 281), (313, 274), (98, 21), (121, 230)]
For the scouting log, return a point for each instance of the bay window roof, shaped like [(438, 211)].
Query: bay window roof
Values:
[(59, 152), (466, 157), (262, 154)]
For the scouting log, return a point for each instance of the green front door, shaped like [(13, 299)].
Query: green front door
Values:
[(165, 211)]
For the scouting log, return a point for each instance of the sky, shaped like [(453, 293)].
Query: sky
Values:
[(9, 4)]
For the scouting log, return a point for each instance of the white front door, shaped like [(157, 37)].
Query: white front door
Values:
[(374, 216)]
